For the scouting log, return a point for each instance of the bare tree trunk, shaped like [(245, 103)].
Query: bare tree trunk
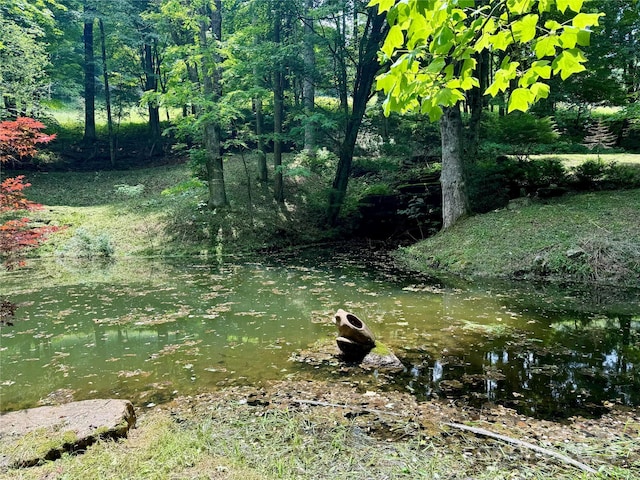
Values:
[(308, 85), (278, 112), (89, 78), (211, 131), (455, 203), (151, 84), (107, 95), (476, 104), (366, 70), (263, 173)]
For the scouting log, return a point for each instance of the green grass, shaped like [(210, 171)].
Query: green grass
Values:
[(226, 439), (126, 207), (587, 237), (574, 159)]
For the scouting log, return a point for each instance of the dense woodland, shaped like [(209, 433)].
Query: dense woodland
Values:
[(298, 82)]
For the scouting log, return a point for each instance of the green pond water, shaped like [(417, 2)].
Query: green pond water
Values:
[(150, 331)]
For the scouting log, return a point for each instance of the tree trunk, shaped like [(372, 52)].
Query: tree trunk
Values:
[(151, 85), (308, 85), (263, 173), (476, 104), (89, 78), (278, 111), (211, 130), (366, 70), (107, 95), (455, 203)]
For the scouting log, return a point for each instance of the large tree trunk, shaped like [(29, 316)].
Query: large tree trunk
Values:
[(211, 131), (308, 85), (89, 78), (278, 113), (455, 203), (107, 94), (366, 71)]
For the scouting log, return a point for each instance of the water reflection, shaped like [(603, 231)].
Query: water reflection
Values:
[(152, 331)]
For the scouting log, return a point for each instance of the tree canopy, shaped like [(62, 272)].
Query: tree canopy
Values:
[(433, 44)]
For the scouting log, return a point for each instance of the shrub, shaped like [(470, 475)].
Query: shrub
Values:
[(588, 173), (87, 246)]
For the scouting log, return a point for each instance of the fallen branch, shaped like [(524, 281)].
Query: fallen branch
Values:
[(521, 443), (475, 430)]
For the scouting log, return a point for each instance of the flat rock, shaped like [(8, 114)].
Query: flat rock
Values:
[(29, 437), (325, 353)]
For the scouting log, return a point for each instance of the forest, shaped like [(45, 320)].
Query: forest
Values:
[(306, 87), (195, 194)]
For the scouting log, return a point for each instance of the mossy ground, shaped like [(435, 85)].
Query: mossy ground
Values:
[(590, 237)]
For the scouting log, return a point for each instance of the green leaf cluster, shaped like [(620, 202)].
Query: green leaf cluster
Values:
[(432, 46)]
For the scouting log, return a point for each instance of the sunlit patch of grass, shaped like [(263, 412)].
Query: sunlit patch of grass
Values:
[(575, 159)]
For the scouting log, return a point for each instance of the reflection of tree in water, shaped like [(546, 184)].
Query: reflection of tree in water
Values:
[(581, 365)]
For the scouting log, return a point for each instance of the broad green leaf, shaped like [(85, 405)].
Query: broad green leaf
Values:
[(584, 38), (544, 5), (436, 65), (394, 40), (520, 99), (575, 5), (525, 28), (569, 38), (385, 82), (546, 46), (552, 25), (540, 90), (568, 63), (562, 5), (442, 41), (469, 82), (542, 68), (584, 20), (383, 5), (502, 40)]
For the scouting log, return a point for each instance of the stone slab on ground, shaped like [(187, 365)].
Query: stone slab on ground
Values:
[(29, 437)]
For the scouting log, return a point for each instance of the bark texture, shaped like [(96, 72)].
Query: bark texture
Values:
[(455, 203)]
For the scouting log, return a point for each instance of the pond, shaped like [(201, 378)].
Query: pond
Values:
[(150, 331)]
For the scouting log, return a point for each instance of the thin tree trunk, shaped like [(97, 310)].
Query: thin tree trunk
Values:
[(366, 70), (211, 131), (263, 173), (89, 78), (308, 85), (476, 104), (278, 111), (455, 203), (151, 85), (107, 95)]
